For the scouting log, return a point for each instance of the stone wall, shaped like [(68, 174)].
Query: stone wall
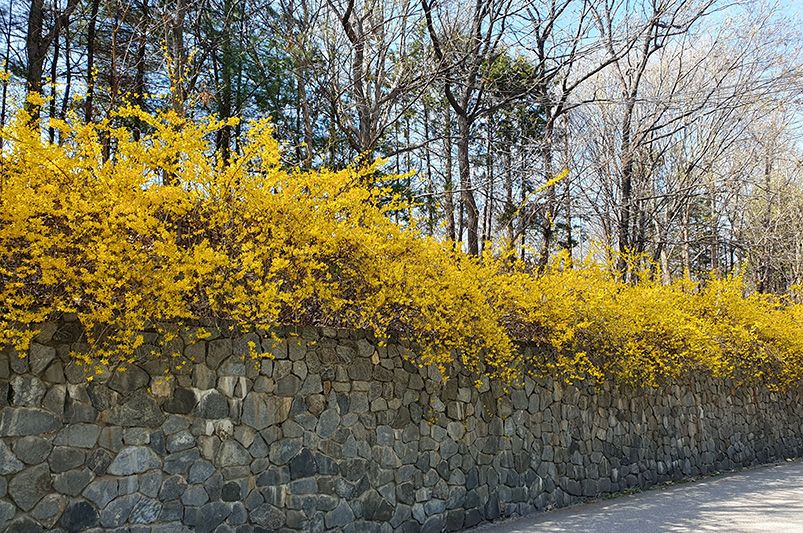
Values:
[(335, 434)]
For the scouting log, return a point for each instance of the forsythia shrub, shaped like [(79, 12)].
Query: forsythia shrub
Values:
[(163, 232)]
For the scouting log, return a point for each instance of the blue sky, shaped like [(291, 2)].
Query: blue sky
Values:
[(793, 7)]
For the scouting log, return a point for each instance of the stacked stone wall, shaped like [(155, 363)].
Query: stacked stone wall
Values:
[(337, 434)]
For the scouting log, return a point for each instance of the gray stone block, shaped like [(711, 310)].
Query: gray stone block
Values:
[(134, 460)]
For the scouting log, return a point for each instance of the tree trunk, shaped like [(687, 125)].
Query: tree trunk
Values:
[(226, 75), (448, 189), (714, 229), (509, 207), (306, 117), (626, 188), (430, 184), (65, 101), (36, 49), (54, 72), (178, 57), (686, 247), (547, 224), (468, 201), (4, 104), (90, 61)]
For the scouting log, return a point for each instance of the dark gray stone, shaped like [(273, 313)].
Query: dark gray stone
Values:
[(232, 453), (23, 525), (273, 476), (303, 464), (360, 369), (212, 405), (72, 482), (150, 482), (39, 357), (79, 516), (140, 410), (180, 462), (208, 517), (217, 351), (261, 410), (195, 496), (172, 488), (289, 385), (328, 423), (375, 507), (79, 412), (99, 460), (175, 423), (340, 516), (134, 460), (146, 511), (116, 513), (136, 436), (200, 471), (171, 511), (49, 509), (7, 512), (308, 485), (238, 515), (268, 517), (182, 402), (233, 366), (283, 450), (231, 492), (32, 449), (101, 396), (9, 463), (157, 442), (182, 440), (131, 379), (27, 391), (258, 448), (30, 486), (78, 436), (22, 421), (434, 524), (101, 492), (312, 385), (111, 438)]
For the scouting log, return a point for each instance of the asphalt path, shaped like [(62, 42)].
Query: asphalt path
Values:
[(763, 499)]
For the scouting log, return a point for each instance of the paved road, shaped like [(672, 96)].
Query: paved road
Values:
[(765, 499)]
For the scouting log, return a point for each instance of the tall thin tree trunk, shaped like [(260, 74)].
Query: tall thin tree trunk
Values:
[(714, 229), (91, 37), (487, 207), (448, 189), (765, 269), (306, 119), (178, 57), (509, 207), (430, 185), (626, 188), (686, 246), (548, 223), (523, 203), (468, 201), (139, 78), (36, 50), (238, 91), (567, 200), (7, 57), (65, 101), (54, 66)]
